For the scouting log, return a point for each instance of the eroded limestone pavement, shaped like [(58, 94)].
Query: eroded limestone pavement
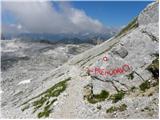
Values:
[(131, 94)]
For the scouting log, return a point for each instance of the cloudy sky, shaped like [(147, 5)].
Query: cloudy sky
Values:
[(67, 17)]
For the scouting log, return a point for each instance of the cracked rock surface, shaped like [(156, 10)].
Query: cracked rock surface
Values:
[(136, 89)]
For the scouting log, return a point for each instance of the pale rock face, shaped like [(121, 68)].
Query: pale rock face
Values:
[(136, 49), (149, 14), (87, 91)]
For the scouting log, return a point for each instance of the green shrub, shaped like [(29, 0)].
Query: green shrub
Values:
[(46, 111), (119, 108), (145, 85), (98, 97), (111, 109), (122, 107), (154, 68), (118, 96), (130, 76)]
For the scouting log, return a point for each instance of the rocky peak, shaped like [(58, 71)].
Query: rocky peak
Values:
[(149, 14)]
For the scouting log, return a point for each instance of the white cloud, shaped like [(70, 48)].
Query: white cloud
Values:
[(42, 17)]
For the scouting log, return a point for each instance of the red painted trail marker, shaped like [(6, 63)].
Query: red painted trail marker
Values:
[(112, 72)]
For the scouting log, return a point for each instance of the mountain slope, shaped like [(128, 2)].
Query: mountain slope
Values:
[(117, 93)]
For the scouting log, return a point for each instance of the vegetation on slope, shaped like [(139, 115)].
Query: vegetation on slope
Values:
[(98, 97), (119, 108), (46, 99), (130, 76), (154, 68), (118, 96), (133, 24), (145, 85)]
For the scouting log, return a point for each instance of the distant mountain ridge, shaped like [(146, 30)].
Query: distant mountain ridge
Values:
[(69, 38)]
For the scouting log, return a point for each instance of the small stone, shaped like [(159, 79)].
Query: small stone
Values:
[(65, 94), (55, 103), (87, 91), (99, 107), (93, 109), (121, 51)]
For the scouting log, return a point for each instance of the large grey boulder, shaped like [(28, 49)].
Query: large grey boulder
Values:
[(135, 49)]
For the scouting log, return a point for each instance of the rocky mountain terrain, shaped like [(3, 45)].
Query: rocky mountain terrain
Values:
[(68, 38), (26, 61), (116, 79)]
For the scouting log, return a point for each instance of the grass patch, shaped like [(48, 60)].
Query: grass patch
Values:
[(130, 76), (123, 107), (45, 98), (50, 89), (39, 103), (56, 89), (145, 85), (154, 68), (46, 111), (118, 96), (112, 109), (98, 97), (130, 26)]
